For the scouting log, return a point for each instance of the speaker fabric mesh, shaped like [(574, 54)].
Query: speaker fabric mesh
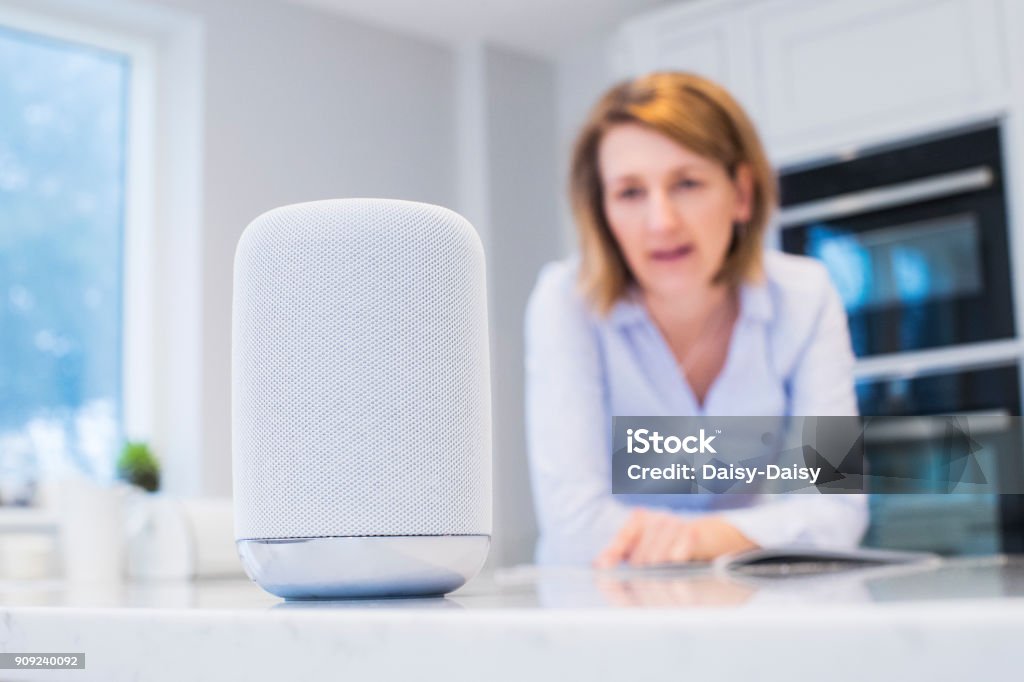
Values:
[(360, 372)]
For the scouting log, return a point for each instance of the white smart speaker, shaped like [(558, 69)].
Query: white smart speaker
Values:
[(361, 412)]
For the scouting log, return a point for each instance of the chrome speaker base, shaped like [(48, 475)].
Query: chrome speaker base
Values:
[(353, 567)]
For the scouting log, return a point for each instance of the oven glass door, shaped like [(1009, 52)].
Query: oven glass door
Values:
[(920, 276), (915, 239)]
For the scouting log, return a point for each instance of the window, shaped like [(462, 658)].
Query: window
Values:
[(63, 155)]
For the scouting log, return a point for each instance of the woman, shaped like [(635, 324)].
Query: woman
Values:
[(673, 307)]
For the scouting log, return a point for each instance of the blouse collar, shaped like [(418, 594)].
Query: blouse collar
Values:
[(755, 304)]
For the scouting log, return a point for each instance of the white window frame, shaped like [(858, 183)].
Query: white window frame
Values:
[(161, 323)]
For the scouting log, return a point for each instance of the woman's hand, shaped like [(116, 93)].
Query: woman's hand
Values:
[(652, 537)]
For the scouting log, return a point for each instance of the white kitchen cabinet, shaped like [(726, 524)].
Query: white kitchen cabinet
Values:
[(842, 72), (701, 38), (822, 75)]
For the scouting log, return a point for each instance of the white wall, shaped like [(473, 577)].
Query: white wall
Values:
[(524, 184), (301, 105), (583, 73)]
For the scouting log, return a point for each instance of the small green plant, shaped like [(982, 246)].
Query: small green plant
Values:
[(138, 466)]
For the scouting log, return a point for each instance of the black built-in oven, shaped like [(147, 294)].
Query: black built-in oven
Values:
[(915, 239)]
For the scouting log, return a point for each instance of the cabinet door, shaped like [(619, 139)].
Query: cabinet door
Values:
[(708, 40), (835, 71)]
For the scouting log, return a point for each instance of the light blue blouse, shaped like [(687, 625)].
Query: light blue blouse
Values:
[(789, 354)]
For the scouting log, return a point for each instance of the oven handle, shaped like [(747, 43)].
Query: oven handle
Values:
[(932, 427), (877, 198)]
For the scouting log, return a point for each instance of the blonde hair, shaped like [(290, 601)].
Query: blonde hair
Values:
[(699, 115)]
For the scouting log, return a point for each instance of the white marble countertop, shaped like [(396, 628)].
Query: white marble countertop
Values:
[(962, 620)]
